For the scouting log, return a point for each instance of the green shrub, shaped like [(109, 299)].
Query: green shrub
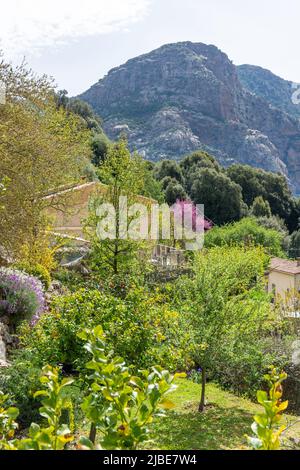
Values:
[(246, 232), (141, 328), (19, 382), (53, 437), (241, 368), (117, 404), (38, 271)]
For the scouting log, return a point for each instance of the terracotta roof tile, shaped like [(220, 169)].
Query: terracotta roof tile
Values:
[(285, 265)]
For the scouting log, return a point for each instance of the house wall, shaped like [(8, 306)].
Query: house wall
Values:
[(283, 282), (74, 209), (68, 219)]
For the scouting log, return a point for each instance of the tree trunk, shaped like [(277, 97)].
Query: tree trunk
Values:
[(93, 433), (203, 390)]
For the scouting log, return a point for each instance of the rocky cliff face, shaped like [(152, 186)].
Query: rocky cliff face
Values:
[(184, 97), (273, 89)]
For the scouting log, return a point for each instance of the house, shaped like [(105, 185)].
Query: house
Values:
[(284, 277), (74, 201), (69, 208)]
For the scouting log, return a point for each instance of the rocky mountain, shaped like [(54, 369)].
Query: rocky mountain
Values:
[(280, 93), (189, 96)]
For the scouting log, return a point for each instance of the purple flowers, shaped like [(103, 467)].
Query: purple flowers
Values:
[(21, 296), (188, 208)]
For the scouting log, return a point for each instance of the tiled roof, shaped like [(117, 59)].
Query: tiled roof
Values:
[(285, 266)]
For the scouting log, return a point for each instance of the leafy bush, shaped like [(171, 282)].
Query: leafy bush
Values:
[(21, 296), (38, 271), (294, 245), (246, 232), (119, 405), (240, 368), (266, 426), (141, 328), (19, 382), (8, 425), (273, 223), (53, 437)]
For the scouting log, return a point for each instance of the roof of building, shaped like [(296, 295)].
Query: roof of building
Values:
[(285, 266)]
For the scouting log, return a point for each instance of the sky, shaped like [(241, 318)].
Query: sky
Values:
[(78, 41)]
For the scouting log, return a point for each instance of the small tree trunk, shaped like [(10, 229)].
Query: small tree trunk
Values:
[(93, 433), (203, 390)]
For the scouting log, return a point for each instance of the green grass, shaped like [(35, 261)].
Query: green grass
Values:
[(222, 426)]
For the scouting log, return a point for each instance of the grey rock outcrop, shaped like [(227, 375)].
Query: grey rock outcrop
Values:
[(186, 96)]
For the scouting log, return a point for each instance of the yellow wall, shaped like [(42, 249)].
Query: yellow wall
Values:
[(75, 207), (284, 282), (75, 203)]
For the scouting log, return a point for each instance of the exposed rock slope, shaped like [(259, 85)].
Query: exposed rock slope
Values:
[(186, 96)]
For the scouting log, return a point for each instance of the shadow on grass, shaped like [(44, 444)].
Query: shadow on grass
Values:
[(216, 429)]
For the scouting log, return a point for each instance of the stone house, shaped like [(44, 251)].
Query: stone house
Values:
[(284, 277)]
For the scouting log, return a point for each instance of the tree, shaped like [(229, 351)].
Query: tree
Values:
[(124, 175), (222, 198), (100, 145), (294, 245), (174, 192), (273, 223), (293, 220), (169, 168), (192, 164), (152, 187), (272, 187), (80, 108), (261, 208), (248, 179), (227, 302), (42, 148)]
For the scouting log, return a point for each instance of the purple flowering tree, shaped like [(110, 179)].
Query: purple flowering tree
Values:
[(199, 221), (189, 220)]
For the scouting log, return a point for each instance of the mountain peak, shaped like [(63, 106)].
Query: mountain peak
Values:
[(187, 96)]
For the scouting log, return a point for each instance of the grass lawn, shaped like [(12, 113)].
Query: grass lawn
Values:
[(223, 425)]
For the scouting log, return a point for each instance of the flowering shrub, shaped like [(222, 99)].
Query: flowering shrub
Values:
[(21, 296)]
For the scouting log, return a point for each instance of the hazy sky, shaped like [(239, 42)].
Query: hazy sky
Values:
[(79, 41)]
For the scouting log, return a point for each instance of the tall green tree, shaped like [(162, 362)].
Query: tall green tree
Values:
[(227, 303), (174, 192), (272, 187), (261, 208), (294, 245), (124, 175), (168, 168), (192, 164), (222, 198)]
